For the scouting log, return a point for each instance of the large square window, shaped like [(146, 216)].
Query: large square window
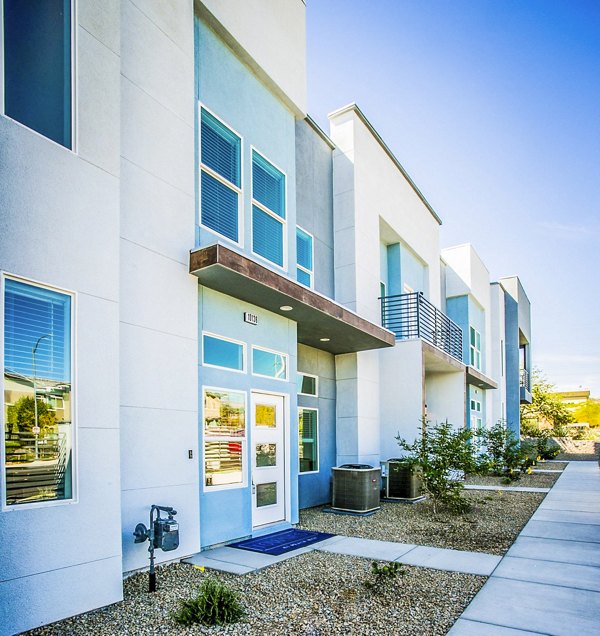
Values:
[(224, 437), (268, 210), (38, 423), (37, 56), (220, 178)]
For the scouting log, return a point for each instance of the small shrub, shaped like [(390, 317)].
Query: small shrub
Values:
[(507, 456), (383, 573), (544, 449), (440, 451), (215, 604)]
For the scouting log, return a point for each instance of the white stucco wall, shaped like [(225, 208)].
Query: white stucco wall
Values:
[(270, 36), (59, 225), (445, 398), (159, 298)]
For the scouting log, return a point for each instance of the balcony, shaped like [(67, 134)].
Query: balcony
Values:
[(411, 316), (525, 387)]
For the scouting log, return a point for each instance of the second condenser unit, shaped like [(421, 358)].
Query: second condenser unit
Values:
[(356, 488)]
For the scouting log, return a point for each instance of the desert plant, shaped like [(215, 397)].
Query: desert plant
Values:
[(507, 456), (543, 447), (441, 450), (215, 604), (383, 573)]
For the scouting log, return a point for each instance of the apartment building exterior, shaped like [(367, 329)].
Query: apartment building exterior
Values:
[(230, 309)]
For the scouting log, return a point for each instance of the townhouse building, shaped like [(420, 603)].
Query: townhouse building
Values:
[(207, 302)]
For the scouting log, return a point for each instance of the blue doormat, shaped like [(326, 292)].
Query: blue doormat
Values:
[(281, 542)]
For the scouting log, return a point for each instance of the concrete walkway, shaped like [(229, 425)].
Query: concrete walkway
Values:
[(243, 561), (549, 581)]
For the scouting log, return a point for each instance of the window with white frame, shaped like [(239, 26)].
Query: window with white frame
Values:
[(223, 352), (38, 404), (220, 177), (308, 384), (268, 210), (476, 419), (270, 364), (38, 62), (308, 437), (224, 437), (475, 348), (304, 257)]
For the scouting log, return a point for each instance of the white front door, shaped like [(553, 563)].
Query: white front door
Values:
[(268, 459)]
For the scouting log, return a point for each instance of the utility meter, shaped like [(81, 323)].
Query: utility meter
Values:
[(166, 534)]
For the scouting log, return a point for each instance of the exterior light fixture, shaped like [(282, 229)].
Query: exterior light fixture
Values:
[(286, 308), (324, 339)]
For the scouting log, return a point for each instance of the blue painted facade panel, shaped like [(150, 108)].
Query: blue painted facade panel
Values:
[(229, 89), (226, 514), (511, 320)]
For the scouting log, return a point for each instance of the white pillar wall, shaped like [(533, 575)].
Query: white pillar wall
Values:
[(445, 395)]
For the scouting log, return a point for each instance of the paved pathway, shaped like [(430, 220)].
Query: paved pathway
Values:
[(549, 581)]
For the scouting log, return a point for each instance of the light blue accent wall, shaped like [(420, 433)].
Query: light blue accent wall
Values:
[(394, 269), (413, 271), (231, 91), (511, 344), (315, 488), (457, 309), (314, 201), (477, 320), (226, 515)]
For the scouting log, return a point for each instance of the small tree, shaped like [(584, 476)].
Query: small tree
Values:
[(440, 450), (546, 410), (505, 454)]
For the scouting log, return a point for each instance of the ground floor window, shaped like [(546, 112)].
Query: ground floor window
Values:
[(308, 438), (38, 423), (270, 364), (224, 437)]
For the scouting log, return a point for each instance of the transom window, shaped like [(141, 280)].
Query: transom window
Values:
[(308, 437), (37, 52), (307, 384), (270, 364), (304, 257), (475, 348), (268, 210), (38, 421), (220, 177), (224, 437), (222, 352)]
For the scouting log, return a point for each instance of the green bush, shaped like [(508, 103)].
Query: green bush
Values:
[(507, 456), (215, 604), (544, 449), (440, 450), (383, 573)]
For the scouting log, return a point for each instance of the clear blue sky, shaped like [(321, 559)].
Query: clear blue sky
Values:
[(493, 107)]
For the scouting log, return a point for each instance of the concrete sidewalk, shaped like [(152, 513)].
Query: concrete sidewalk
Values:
[(549, 581)]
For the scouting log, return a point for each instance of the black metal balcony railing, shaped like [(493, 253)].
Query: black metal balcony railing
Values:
[(413, 316), (524, 379)]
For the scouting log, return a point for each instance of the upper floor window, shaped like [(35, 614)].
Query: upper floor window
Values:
[(268, 210), (38, 426), (220, 177), (475, 348), (304, 257), (270, 364), (38, 78)]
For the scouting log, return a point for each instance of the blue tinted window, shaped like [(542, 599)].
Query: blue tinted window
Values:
[(273, 365), (267, 236), (304, 249), (220, 148), (37, 66), (219, 207), (268, 185), (303, 277), (223, 353)]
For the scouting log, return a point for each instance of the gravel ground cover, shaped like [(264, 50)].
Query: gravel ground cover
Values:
[(316, 594), (578, 450), (492, 526), (535, 480)]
